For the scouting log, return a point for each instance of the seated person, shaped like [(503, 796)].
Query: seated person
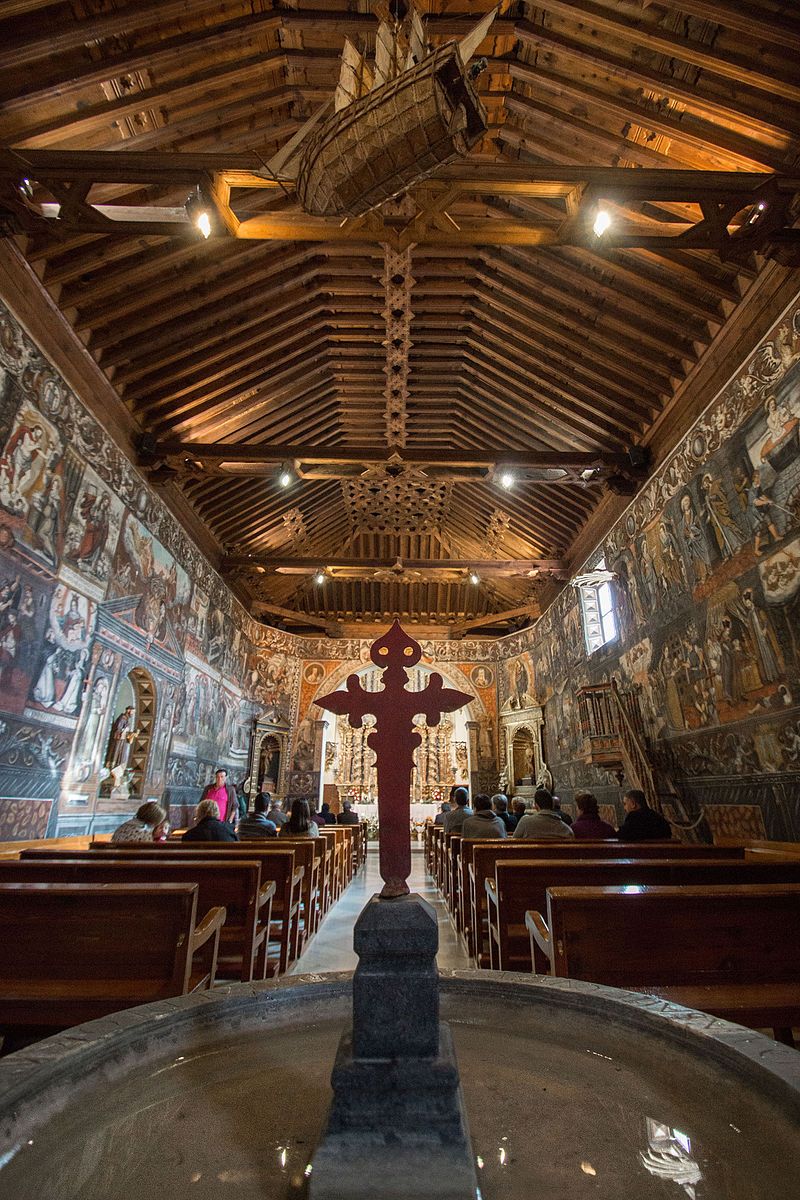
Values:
[(274, 810), (300, 823), (328, 818), (484, 822), (442, 813), (543, 823), (207, 826), (457, 816), (141, 828), (642, 823), (588, 823), (257, 824), (565, 817), (347, 816), (519, 808), (500, 806)]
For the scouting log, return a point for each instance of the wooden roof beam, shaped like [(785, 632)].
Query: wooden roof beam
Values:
[(649, 36), (524, 610), (302, 565)]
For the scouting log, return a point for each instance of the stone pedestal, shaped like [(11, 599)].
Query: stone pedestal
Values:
[(397, 1128)]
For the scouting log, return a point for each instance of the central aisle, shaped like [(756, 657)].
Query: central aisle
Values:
[(332, 948)]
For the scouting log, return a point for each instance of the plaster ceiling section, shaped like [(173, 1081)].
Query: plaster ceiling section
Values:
[(568, 348)]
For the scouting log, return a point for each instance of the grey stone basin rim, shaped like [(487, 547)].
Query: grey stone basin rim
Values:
[(48, 1077)]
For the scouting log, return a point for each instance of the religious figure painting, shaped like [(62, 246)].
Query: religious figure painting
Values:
[(92, 533), (31, 483), (143, 568), (482, 677), (57, 682), (24, 602)]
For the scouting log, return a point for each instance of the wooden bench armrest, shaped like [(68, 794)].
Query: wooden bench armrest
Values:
[(211, 923), (491, 891), (206, 939), (266, 892), (297, 878), (537, 928)]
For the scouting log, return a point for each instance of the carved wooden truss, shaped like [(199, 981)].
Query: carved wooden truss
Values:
[(734, 213)]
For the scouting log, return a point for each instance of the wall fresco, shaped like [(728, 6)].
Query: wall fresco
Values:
[(707, 587), (105, 601)]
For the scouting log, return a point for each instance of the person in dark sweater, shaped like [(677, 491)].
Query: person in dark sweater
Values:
[(642, 823), (500, 806), (347, 816), (208, 827), (588, 823), (257, 825)]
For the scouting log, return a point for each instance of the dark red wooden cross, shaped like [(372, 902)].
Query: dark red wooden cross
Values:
[(394, 741)]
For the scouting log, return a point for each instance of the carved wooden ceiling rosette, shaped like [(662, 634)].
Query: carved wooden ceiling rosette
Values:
[(396, 498)]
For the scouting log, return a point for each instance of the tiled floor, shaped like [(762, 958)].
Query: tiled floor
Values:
[(332, 948)]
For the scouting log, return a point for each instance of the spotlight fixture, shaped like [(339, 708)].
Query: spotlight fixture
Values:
[(25, 189), (198, 210), (285, 476), (474, 578), (319, 577), (507, 480), (589, 474), (602, 222)]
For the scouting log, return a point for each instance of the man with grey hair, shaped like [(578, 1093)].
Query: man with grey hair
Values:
[(207, 826)]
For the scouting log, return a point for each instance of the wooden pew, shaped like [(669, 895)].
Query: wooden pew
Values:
[(730, 951), (277, 865), (14, 849), (338, 881), (233, 885), (72, 952), (485, 854), (307, 856), (520, 886)]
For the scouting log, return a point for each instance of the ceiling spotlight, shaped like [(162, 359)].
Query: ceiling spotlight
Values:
[(198, 210), (602, 222), (285, 476), (319, 578), (474, 578), (589, 474), (25, 188), (507, 480)]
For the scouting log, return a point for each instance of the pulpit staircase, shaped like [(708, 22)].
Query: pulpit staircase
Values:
[(615, 740)]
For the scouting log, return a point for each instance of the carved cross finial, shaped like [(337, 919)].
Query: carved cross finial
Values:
[(394, 740)]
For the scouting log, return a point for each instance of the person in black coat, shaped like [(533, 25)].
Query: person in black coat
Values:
[(642, 823), (208, 827), (347, 816)]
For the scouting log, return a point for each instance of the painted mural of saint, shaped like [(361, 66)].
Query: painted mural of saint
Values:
[(719, 518), (95, 516), (694, 540)]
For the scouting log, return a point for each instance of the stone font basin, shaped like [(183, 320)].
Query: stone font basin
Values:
[(572, 1090)]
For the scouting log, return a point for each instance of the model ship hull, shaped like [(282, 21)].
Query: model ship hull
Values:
[(391, 138)]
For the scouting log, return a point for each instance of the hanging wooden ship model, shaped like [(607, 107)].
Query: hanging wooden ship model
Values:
[(395, 121)]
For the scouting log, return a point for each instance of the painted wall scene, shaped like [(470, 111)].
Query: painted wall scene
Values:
[(706, 565), (127, 669)]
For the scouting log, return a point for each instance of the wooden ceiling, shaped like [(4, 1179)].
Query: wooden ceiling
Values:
[(551, 355)]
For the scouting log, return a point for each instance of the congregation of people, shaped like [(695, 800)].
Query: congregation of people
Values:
[(490, 817), (223, 815)]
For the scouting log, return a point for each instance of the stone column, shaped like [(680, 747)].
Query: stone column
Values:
[(397, 1128)]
